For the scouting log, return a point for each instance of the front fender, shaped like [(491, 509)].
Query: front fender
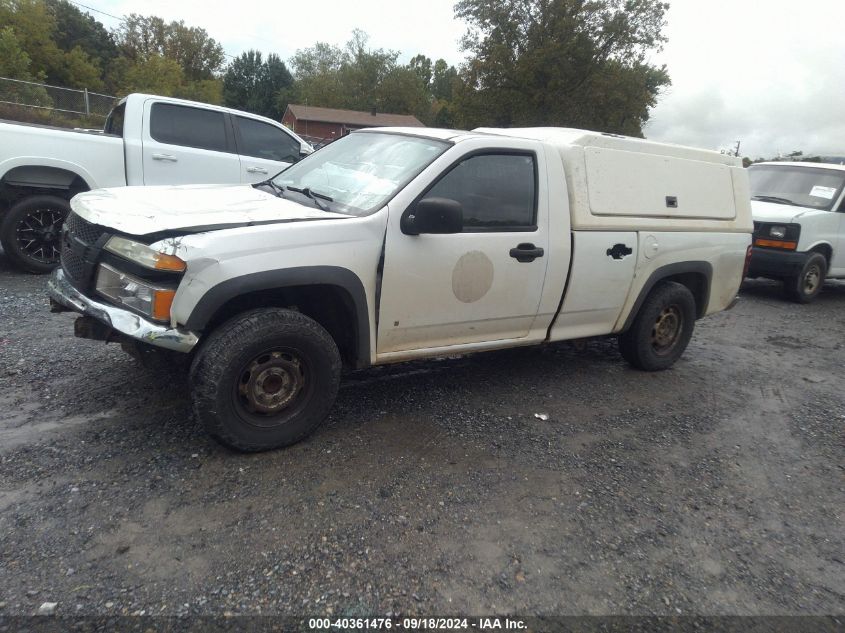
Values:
[(217, 296)]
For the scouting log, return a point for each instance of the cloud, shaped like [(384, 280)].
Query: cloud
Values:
[(769, 74)]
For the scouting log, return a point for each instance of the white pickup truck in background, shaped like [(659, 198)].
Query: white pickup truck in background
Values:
[(147, 140), (402, 243), (799, 225)]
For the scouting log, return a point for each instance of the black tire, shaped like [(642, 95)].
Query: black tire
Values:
[(662, 328), (805, 287), (31, 232), (265, 379)]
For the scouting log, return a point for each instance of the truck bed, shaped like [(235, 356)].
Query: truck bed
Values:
[(97, 158)]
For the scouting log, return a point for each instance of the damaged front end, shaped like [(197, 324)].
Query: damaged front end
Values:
[(103, 322), (120, 295)]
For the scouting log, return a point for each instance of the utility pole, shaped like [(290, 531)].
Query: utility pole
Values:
[(736, 149)]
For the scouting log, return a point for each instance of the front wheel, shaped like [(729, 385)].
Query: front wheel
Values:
[(662, 328), (265, 379), (806, 286), (31, 232)]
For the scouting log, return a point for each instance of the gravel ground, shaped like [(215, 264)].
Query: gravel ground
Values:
[(713, 488)]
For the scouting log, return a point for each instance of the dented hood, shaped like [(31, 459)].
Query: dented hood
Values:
[(145, 210)]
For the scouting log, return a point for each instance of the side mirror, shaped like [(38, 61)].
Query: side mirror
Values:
[(303, 153), (433, 215)]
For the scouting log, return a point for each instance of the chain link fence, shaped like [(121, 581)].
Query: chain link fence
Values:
[(34, 102)]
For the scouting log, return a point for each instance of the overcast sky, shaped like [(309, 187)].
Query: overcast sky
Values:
[(769, 73)]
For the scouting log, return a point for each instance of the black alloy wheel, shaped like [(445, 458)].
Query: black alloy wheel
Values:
[(31, 232)]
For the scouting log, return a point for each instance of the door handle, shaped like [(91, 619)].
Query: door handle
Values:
[(526, 252), (619, 251), (168, 157), (256, 170)]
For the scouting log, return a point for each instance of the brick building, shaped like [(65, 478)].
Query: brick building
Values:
[(331, 124)]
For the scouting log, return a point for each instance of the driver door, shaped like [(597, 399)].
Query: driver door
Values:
[(483, 283)]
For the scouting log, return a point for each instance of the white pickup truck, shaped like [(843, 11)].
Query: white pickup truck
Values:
[(147, 140), (394, 244), (799, 225)]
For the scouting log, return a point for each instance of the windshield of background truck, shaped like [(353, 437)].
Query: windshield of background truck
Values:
[(812, 187), (361, 172)]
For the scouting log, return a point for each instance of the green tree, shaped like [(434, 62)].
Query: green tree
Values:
[(156, 74), (142, 38), (360, 78), (77, 29), (204, 90), (318, 76), (579, 63), (402, 91), (421, 65), (34, 26), (443, 80), (14, 62), (79, 71), (255, 85)]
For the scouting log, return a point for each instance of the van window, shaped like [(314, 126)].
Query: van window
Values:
[(497, 191), (262, 140), (191, 127), (814, 187)]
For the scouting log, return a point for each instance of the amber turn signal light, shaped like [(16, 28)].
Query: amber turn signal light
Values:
[(162, 301), (789, 246), (169, 262)]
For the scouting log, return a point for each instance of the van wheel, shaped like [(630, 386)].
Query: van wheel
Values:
[(805, 287), (662, 328), (31, 232), (265, 379)]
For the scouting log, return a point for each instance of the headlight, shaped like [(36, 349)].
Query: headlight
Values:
[(144, 255), (134, 293), (777, 232)]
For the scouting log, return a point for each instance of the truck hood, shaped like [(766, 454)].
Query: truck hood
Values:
[(145, 210), (774, 212)]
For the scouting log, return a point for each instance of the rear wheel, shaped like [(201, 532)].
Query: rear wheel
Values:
[(31, 232), (662, 328), (265, 379), (806, 286)]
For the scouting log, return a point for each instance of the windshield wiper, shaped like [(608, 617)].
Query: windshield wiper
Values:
[(314, 195), (279, 191), (774, 199)]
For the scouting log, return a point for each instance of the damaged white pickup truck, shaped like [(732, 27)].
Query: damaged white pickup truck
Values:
[(394, 244)]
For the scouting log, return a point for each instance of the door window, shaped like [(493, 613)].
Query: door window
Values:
[(187, 126), (261, 140), (498, 192)]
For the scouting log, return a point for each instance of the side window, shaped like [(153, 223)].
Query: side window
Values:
[(191, 127), (266, 141), (496, 191), (114, 124)]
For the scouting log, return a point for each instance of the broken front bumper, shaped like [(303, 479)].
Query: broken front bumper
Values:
[(122, 321)]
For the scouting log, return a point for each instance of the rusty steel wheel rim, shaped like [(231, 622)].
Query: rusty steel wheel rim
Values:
[(272, 387), (667, 329), (812, 279)]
